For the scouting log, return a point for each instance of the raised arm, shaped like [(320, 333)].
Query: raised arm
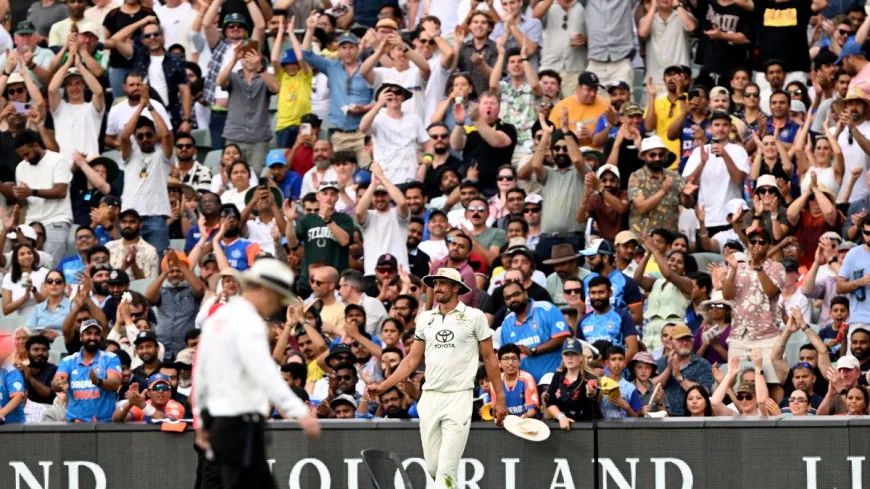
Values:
[(54, 88)]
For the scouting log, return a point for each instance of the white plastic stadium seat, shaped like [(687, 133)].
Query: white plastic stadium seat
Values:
[(140, 285), (704, 259), (10, 323), (113, 154), (201, 137), (213, 161)]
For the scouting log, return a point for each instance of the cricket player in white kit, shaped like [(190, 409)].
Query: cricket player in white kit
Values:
[(453, 337)]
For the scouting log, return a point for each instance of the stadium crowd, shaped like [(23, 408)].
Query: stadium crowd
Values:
[(662, 207)]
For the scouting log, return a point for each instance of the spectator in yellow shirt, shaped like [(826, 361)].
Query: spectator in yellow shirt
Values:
[(584, 108), (294, 92)]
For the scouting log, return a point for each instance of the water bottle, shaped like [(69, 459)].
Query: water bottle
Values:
[(860, 292)]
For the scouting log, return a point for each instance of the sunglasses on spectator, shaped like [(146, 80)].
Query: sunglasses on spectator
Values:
[(802, 365), (183, 146), (440, 135), (844, 32), (54, 281), (144, 135), (384, 270), (531, 210), (565, 22), (478, 208), (17, 90), (745, 397), (765, 191), (575, 291), (235, 25), (430, 42), (150, 35), (751, 94), (759, 241), (317, 282), (865, 232), (505, 178), (718, 306), (796, 92), (798, 399), (344, 377), (161, 388), (560, 149)]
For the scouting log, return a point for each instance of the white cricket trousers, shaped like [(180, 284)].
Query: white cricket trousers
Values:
[(445, 419)]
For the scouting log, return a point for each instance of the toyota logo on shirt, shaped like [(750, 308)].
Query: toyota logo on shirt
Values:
[(444, 339)]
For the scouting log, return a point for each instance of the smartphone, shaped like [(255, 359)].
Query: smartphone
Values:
[(694, 93), (21, 108), (251, 45), (305, 129)]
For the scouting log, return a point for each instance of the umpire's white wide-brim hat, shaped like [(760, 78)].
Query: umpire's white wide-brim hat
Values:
[(527, 428), (272, 274)]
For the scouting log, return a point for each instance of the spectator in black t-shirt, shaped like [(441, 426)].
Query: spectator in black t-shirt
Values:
[(488, 143), (496, 307), (782, 34), (128, 378), (724, 39), (38, 375), (439, 147), (418, 260)]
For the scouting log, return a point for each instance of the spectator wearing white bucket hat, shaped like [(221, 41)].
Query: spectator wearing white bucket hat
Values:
[(655, 192)]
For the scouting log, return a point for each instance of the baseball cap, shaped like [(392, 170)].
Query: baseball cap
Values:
[(681, 331), (624, 237), (25, 27), (207, 258), (535, 199), (327, 185), (846, 246), (130, 212), (145, 336), (798, 106), (678, 69), (759, 230), (719, 92), (589, 79), (630, 108), (832, 235), (747, 387), (343, 399), (848, 362), (362, 177), (572, 345), (90, 323), (118, 277), (851, 48), (234, 17), (720, 114), (605, 168), (599, 247), (289, 57), (348, 37), (185, 357), (339, 349), (311, 119), (618, 84), (276, 157), (790, 265), (26, 230), (111, 200), (158, 378), (734, 205), (387, 259)]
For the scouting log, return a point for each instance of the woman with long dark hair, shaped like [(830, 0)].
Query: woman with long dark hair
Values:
[(21, 287), (697, 402)]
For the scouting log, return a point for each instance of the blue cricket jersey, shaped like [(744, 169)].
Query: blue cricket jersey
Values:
[(613, 326), (543, 322), (623, 290), (87, 402), (11, 385)]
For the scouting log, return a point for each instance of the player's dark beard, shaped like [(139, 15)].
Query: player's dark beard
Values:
[(130, 233), (396, 412), (517, 307), (598, 267), (232, 232), (562, 161), (38, 362), (600, 304), (100, 288), (92, 346)]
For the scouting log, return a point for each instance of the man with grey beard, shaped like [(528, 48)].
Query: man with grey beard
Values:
[(322, 170)]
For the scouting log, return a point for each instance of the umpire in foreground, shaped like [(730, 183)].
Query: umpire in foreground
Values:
[(235, 378)]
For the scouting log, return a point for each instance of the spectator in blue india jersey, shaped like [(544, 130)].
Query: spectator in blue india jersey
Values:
[(12, 393), (520, 388), (538, 328), (90, 377), (600, 257), (607, 322)]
